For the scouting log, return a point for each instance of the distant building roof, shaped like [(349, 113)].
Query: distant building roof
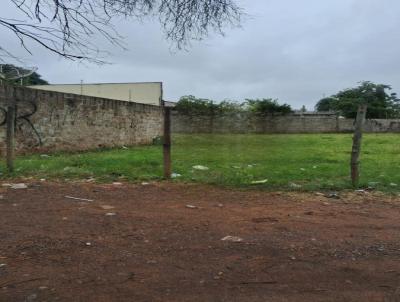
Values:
[(169, 104)]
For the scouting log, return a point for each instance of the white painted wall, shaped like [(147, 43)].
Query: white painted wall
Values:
[(146, 93)]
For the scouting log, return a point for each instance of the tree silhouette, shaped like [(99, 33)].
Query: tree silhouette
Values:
[(65, 27)]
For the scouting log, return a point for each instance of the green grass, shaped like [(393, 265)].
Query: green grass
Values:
[(312, 161)]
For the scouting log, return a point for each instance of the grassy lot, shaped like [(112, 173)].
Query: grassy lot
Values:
[(308, 162)]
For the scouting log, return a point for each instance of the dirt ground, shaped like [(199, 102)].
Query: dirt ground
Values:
[(162, 242)]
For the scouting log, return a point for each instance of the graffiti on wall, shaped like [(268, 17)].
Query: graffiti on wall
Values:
[(23, 124)]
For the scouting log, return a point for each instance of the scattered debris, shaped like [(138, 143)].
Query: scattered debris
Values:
[(175, 175), (111, 214), (220, 205), (78, 198), (333, 195), (257, 182), (145, 183), (19, 186), (294, 185), (200, 167), (117, 183), (319, 194), (106, 207), (88, 243), (43, 179), (232, 239), (2, 265), (189, 206)]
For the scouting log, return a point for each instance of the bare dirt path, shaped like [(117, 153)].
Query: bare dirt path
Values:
[(162, 242)]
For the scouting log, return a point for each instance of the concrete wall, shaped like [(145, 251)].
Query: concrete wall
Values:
[(248, 123), (52, 121), (146, 93)]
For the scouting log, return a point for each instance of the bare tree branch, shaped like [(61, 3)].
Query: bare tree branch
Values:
[(66, 27)]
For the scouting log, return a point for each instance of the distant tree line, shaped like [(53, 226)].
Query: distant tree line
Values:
[(381, 104), (190, 105)]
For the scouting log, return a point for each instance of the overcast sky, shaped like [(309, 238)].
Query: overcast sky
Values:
[(295, 51)]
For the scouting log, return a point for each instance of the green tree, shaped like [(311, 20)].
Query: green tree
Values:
[(15, 75), (191, 105), (325, 104), (380, 103), (268, 107)]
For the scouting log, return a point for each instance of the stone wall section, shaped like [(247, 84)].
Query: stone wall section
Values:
[(53, 121), (249, 123)]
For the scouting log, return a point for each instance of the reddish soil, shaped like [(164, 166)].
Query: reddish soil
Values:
[(296, 247)]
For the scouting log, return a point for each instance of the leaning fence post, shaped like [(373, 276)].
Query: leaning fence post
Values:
[(356, 148), (10, 132), (167, 141)]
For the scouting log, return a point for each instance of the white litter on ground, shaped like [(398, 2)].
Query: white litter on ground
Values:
[(19, 186), (200, 167), (257, 182), (78, 198), (232, 239), (294, 185)]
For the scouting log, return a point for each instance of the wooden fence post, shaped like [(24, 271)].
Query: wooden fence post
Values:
[(356, 149), (10, 132), (167, 142)]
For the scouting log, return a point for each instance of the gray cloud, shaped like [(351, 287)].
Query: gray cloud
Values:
[(296, 51)]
